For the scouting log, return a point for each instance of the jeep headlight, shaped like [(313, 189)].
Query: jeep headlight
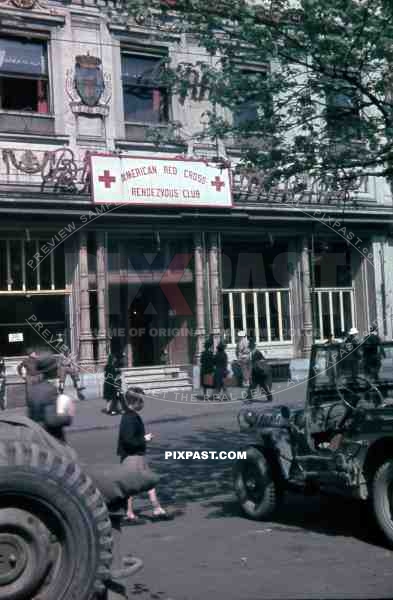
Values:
[(247, 419)]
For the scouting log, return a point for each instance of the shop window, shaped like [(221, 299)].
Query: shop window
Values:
[(24, 84), (144, 93)]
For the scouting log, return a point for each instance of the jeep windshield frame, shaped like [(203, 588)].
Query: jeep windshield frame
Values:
[(333, 365)]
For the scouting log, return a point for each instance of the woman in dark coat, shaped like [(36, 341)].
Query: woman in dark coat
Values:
[(131, 448), (207, 367), (109, 382), (221, 363)]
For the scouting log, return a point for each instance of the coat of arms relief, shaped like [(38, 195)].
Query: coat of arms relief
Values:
[(89, 89)]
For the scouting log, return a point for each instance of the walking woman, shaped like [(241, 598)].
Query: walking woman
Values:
[(207, 367), (131, 449), (109, 383), (221, 363)]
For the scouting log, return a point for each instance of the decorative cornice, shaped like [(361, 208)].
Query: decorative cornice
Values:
[(46, 18)]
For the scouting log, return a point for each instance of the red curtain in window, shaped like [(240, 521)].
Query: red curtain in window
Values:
[(156, 100), (42, 102)]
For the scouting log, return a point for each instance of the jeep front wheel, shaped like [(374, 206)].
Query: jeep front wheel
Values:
[(382, 498), (255, 486)]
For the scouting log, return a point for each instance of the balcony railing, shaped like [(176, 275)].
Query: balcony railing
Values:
[(265, 314), (333, 310)]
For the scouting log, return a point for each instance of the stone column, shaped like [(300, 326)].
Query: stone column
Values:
[(307, 299), (199, 296), (86, 355), (102, 308), (214, 282)]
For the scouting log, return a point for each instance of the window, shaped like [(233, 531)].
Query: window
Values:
[(23, 75), (343, 112), (145, 96), (256, 101)]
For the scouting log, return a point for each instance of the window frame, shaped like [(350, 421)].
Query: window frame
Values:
[(46, 41), (341, 119), (252, 69), (139, 53)]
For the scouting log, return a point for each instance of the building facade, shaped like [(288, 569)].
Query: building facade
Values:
[(81, 78)]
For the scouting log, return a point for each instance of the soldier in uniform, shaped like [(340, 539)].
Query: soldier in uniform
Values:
[(69, 367), (351, 361), (27, 370), (2, 383), (373, 353)]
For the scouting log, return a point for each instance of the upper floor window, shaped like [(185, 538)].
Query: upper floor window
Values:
[(343, 112), (255, 102), (145, 97), (24, 81)]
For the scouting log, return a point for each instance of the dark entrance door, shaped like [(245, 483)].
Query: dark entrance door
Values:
[(144, 327)]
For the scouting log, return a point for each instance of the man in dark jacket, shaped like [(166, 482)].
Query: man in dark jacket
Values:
[(373, 353), (42, 401), (261, 373), (131, 448)]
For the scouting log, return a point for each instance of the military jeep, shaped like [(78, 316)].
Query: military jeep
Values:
[(59, 521), (340, 442)]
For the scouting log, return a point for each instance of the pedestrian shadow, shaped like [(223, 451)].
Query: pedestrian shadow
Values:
[(210, 483), (323, 515), (188, 480)]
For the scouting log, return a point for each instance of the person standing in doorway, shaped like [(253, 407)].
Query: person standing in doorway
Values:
[(131, 448), (243, 357)]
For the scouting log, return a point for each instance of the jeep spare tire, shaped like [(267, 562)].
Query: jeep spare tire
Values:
[(255, 486), (382, 499), (55, 532)]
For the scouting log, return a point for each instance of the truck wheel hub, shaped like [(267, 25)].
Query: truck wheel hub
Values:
[(13, 557)]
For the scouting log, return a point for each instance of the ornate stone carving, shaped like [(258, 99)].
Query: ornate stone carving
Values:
[(58, 169), (25, 4), (89, 89), (298, 189)]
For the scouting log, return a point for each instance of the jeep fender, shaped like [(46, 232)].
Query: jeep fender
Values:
[(279, 470)]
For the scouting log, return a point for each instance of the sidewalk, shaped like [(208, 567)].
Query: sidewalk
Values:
[(168, 406)]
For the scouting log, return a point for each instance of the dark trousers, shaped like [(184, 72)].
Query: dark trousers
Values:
[(264, 383), (77, 384), (2, 393)]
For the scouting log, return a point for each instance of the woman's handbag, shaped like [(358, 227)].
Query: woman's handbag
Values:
[(208, 380)]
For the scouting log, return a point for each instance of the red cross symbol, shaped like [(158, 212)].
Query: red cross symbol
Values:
[(217, 183), (107, 179)]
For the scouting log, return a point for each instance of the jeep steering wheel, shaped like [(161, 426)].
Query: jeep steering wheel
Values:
[(349, 406), (362, 380)]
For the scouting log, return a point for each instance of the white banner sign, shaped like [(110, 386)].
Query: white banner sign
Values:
[(159, 182), (15, 337)]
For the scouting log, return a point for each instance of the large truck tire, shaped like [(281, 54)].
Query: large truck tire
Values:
[(55, 532)]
